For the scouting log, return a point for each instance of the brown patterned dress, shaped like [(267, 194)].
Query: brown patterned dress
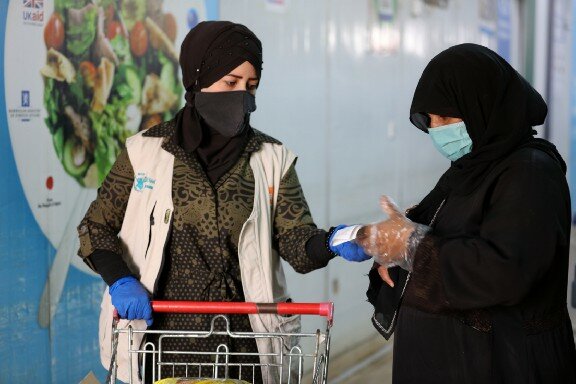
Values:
[(201, 262)]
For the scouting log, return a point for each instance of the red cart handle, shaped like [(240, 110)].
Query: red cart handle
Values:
[(321, 309)]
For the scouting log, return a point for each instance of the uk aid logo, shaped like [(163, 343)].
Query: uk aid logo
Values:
[(33, 12)]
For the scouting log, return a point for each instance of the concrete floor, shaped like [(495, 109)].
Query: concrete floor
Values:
[(371, 361)]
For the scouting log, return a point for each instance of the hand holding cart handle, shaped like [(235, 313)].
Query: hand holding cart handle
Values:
[(325, 309)]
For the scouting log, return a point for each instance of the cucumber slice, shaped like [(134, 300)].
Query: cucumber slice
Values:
[(133, 81), (74, 158), (167, 76)]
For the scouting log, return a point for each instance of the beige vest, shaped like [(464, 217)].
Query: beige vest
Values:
[(261, 270)]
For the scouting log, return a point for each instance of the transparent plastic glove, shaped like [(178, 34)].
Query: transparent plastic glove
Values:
[(392, 242), (348, 250), (131, 299)]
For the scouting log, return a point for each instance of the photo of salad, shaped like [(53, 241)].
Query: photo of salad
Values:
[(111, 70)]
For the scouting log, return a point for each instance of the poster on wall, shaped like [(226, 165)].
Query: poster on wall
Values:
[(79, 77), (278, 6), (384, 35), (437, 3)]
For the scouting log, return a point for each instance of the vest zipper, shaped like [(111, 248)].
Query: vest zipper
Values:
[(168, 214)]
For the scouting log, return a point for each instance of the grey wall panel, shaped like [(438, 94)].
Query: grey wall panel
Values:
[(337, 85)]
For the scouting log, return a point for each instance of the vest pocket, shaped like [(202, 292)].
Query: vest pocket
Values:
[(289, 325), (150, 230), (105, 331)]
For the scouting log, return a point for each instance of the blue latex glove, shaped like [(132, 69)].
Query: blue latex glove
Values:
[(348, 250), (131, 299)]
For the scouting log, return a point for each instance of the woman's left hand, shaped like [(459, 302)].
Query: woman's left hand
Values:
[(393, 241)]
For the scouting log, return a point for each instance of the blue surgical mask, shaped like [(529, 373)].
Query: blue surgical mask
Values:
[(451, 140)]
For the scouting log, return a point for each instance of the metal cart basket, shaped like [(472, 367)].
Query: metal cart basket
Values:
[(306, 352)]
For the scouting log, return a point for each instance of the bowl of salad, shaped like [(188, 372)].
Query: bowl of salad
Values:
[(111, 70)]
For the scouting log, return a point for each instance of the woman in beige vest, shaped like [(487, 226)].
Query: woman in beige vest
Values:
[(202, 208)]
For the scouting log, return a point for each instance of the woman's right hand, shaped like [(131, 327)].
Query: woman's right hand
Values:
[(131, 299)]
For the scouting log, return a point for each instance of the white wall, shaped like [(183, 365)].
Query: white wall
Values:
[(559, 73), (336, 88)]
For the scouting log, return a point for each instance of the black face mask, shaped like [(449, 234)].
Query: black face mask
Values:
[(226, 112)]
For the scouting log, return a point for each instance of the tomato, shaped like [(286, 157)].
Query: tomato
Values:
[(138, 39), (114, 28), (170, 26), (109, 13), (88, 72), (54, 32)]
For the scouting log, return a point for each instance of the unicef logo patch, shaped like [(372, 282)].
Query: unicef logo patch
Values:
[(142, 182)]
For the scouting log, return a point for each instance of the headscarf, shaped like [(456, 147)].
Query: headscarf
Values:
[(498, 106), (209, 52)]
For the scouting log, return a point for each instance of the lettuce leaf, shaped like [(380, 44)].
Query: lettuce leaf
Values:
[(80, 37), (62, 5), (121, 48), (109, 129)]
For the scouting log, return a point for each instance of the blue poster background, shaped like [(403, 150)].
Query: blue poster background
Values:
[(67, 350)]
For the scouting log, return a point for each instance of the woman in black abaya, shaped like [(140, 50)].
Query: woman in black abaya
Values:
[(473, 279)]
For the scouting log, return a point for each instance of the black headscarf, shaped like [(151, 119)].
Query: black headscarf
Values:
[(209, 52), (498, 106)]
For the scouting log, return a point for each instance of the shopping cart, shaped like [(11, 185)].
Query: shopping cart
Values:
[(307, 352)]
